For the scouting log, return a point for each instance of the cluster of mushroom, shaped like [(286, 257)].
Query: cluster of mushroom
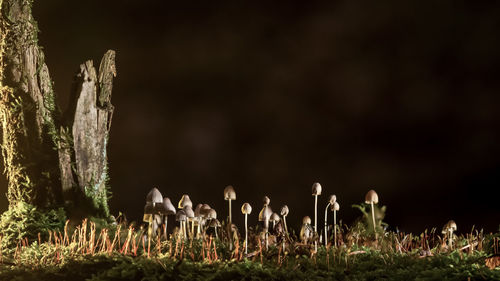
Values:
[(194, 223), (157, 210)]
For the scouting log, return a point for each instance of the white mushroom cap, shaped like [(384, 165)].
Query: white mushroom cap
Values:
[(266, 200), (332, 199), (371, 196), (154, 196), (306, 220), (335, 206), (284, 210), (166, 208), (451, 225), (265, 213), (246, 209), (211, 214), (181, 216), (274, 217), (316, 189), (189, 211), (197, 210), (205, 208), (229, 193), (185, 201)]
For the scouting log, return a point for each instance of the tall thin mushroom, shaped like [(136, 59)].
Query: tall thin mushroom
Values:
[(154, 197), (284, 212), (189, 218), (264, 216), (335, 208), (274, 218), (168, 209), (316, 191), (372, 198), (246, 209), (229, 195), (181, 218), (448, 229), (331, 201)]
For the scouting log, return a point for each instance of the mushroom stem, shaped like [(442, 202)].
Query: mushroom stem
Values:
[(326, 224), (450, 239), (335, 228), (229, 228), (286, 229), (316, 220), (373, 217), (165, 228), (266, 228), (246, 234)]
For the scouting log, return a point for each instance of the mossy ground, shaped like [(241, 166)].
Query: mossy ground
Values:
[(368, 266), (90, 251)]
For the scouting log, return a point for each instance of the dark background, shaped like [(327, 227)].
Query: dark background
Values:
[(271, 96)]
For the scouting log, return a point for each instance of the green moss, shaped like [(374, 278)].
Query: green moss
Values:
[(24, 221)]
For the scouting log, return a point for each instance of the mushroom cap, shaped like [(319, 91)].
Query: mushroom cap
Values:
[(265, 213), (306, 220), (185, 201), (197, 210), (316, 189), (266, 200), (154, 196), (274, 217), (189, 211), (246, 209), (180, 216), (229, 193), (335, 206), (371, 196), (148, 208), (451, 225), (211, 214), (166, 208), (284, 210), (205, 208), (332, 199)]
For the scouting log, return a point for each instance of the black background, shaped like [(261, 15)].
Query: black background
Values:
[(271, 96)]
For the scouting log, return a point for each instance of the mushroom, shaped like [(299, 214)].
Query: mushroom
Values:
[(185, 201), (331, 201), (181, 218), (305, 231), (148, 217), (264, 216), (214, 223), (246, 209), (316, 191), (284, 212), (274, 219), (190, 217), (229, 195), (335, 208), (372, 198), (166, 209), (197, 219), (154, 196), (448, 229)]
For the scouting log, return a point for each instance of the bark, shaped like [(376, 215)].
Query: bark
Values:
[(50, 160)]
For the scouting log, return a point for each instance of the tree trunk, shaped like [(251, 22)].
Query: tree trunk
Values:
[(51, 160)]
